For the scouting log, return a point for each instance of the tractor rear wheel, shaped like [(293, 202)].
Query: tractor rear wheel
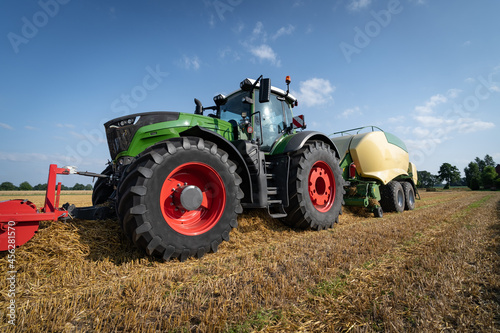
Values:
[(316, 188), (409, 195), (102, 189), (393, 197), (180, 198)]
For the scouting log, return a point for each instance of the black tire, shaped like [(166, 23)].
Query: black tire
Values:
[(378, 212), (393, 197), (146, 198), (409, 195), (102, 189), (315, 169)]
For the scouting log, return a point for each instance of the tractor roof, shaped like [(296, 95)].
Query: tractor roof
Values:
[(290, 98)]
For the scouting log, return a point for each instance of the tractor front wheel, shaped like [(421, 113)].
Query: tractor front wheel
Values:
[(316, 188), (180, 198)]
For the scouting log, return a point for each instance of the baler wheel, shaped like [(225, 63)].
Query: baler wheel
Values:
[(409, 195), (180, 198), (316, 188), (393, 197), (378, 212)]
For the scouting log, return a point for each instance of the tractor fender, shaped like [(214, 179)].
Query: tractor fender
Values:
[(228, 147), (299, 139)]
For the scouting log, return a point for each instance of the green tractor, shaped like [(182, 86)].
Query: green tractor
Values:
[(178, 181)]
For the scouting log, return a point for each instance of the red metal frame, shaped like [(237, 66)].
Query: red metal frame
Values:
[(23, 216), (50, 211)]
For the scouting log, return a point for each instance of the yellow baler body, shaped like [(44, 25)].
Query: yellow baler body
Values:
[(375, 156)]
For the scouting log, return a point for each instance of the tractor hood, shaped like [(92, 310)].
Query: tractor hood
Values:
[(120, 131)]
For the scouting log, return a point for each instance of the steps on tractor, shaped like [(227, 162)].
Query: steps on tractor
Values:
[(276, 195)]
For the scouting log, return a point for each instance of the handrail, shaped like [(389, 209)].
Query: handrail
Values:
[(358, 130)]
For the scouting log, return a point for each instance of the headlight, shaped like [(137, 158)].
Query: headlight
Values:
[(126, 122)]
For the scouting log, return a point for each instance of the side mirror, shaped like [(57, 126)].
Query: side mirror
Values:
[(265, 90)]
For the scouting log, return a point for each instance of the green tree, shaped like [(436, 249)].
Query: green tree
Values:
[(7, 186), (78, 187), (426, 179), (497, 183), (487, 161), (448, 173), (473, 176), (40, 187), (488, 176), (88, 187), (25, 186)]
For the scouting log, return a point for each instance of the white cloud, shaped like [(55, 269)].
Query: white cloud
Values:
[(259, 33), (432, 121), (421, 132), (30, 157), (467, 125), (470, 80), (351, 111), (466, 43), (229, 53), (3, 125), (495, 88), (190, 62), (57, 158), (427, 108), (283, 31), (257, 45), (315, 91), (65, 125), (453, 93), (239, 28), (431, 128), (265, 52), (80, 136), (31, 128), (358, 4), (396, 120)]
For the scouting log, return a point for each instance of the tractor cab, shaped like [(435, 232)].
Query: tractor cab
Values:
[(259, 112)]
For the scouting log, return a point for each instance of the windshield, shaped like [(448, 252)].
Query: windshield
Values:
[(276, 116), (234, 107)]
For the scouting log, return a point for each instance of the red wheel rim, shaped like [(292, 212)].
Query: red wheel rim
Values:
[(321, 186), (205, 217)]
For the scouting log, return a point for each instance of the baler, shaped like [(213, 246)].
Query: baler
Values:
[(377, 167)]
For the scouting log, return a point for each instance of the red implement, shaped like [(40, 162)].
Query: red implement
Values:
[(19, 219)]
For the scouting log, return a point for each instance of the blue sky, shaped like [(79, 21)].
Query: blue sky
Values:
[(425, 70)]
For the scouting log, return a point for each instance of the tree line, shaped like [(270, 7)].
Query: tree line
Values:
[(479, 174), (25, 186)]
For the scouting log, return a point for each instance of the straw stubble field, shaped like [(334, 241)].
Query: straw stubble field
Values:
[(433, 269)]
